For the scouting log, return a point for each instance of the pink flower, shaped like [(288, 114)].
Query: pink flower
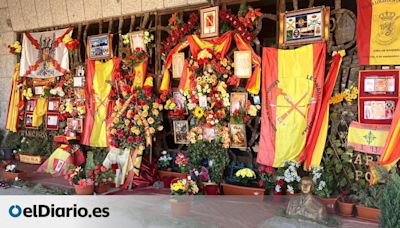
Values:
[(130, 139), (138, 139), (103, 168)]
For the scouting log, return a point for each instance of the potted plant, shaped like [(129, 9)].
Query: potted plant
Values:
[(83, 178), (346, 205), (368, 200), (11, 172), (104, 178), (389, 203), (165, 171), (11, 144), (289, 174), (34, 150), (323, 185), (266, 181), (181, 188), (247, 184)]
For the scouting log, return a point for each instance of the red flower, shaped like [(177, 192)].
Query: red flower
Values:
[(138, 139), (261, 169), (130, 139), (260, 183), (103, 168), (72, 45), (120, 137), (90, 173), (270, 170)]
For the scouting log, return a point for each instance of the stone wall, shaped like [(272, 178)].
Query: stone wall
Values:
[(22, 15)]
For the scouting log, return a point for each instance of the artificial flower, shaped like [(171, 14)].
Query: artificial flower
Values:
[(198, 112)]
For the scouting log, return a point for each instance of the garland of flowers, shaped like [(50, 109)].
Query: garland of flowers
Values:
[(241, 24), (347, 95), (130, 58)]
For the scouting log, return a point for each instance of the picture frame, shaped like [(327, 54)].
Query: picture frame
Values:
[(30, 105), (379, 83), (209, 22), (203, 101), (238, 100), (28, 120), (80, 71), (39, 90), (181, 130), (136, 40), (99, 47), (304, 26), (79, 82), (52, 121), (209, 133), (179, 101), (256, 100), (243, 64), (75, 124), (377, 110), (178, 61), (238, 136), (53, 104)]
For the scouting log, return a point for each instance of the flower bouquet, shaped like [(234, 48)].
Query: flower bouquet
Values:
[(181, 188), (247, 180), (182, 162), (82, 180), (104, 177)]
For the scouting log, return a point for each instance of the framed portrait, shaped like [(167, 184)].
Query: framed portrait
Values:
[(75, 124), (304, 26), (238, 101), (203, 101), (53, 105), (209, 22), (181, 130), (30, 105), (38, 90), (136, 40), (377, 110), (209, 133), (99, 47), (178, 61), (29, 120), (52, 121), (243, 65), (80, 93), (238, 135), (379, 83), (179, 100)]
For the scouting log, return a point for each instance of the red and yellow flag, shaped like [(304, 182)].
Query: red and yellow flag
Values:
[(220, 45), (13, 106), (391, 151), (294, 104), (378, 28)]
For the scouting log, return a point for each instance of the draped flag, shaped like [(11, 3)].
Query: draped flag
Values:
[(39, 111), (293, 104), (391, 150), (220, 45), (184, 83), (378, 29), (44, 54), (58, 162), (139, 71), (98, 105), (367, 138), (13, 105), (254, 82)]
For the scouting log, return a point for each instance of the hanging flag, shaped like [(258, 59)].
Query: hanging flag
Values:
[(13, 105), (98, 105), (292, 89), (39, 111), (220, 45), (139, 71), (378, 28), (367, 138), (44, 54)]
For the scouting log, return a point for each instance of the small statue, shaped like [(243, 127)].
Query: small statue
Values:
[(306, 205)]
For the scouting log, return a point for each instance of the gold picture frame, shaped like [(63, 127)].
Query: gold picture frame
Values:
[(99, 47), (243, 65), (181, 131), (136, 40), (209, 22), (178, 61), (238, 136)]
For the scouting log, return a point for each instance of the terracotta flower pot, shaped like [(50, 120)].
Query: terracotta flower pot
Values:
[(180, 207), (163, 174), (370, 214), (86, 190), (211, 189), (330, 204), (346, 209), (230, 189), (11, 176), (102, 188)]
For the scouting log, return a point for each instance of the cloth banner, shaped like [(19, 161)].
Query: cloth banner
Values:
[(378, 28), (220, 45), (391, 150), (14, 102), (44, 54), (39, 111), (293, 92), (98, 106), (58, 162), (140, 71), (367, 138)]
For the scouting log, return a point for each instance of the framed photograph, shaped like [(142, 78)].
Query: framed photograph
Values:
[(179, 100), (52, 121), (209, 22), (209, 133), (256, 100), (238, 101), (137, 40), (53, 105), (243, 65), (178, 61), (99, 47), (79, 82), (39, 90), (304, 26), (379, 83), (30, 105), (75, 124), (377, 110), (238, 135), (29, 120), (181, 130), (203, 101)]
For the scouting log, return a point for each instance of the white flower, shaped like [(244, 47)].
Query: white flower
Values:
[(290, 189), (164, 152), (16, 179), (277, 188), (196, 173), (53, 92), (61, 93)]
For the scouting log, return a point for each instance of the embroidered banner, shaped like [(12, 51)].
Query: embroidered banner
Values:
[(367, 138), (378, 28), (44, 54)]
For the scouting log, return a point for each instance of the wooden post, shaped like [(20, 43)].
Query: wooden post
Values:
[(132, 25), (295, 4), (79, 38)]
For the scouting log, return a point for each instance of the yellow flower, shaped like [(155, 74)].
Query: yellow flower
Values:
[(152, 130), (136, 117), (160, 128), (145, 114), (146, 107), (150, 120), (129, 114), (252, 110), (113, 131), (116, 120), (67, 38), (198, 112), (139, 122), (337, 98), (160, 107), (155, 105), (155, 112), (127, 122), (172, 106), (69, 108), (204, 54), (141, 148)]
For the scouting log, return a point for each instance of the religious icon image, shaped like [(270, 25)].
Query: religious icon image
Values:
[(238, 101), (238, 135), (181, 130)]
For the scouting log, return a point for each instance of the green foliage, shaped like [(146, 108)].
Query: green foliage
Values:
[(2, 133), (37, 146), (90, 165), (369, 196), (213, 151), (13, 141), (390, 203), (99, 154)]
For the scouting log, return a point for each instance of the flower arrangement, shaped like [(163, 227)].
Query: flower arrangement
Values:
[(320, 186), (246, 176), (244, 115), (266, 174), (70, 44), (290, 176), (135, 120), (182, 162), (347, 95), (241, 24), (183, 186), (173, 111), (203, 175), (103, 175), (148, 38), (130, 58), (15, 48), (164, 162), (78, 176), (280, 186), (9, 166)]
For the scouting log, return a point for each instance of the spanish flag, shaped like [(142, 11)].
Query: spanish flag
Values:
[(391, 151), (378, 29), (13, 106)]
